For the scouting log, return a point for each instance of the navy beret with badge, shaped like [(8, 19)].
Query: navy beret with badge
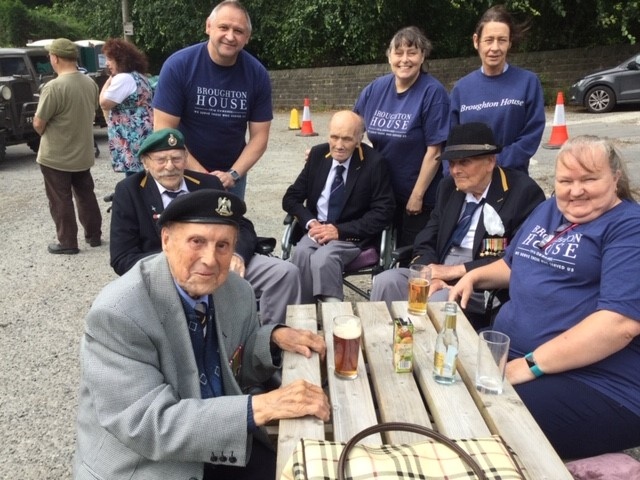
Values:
[(205, 206), (165, 139)]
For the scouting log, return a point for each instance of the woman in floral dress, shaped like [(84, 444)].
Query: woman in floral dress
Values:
[(126, 100)]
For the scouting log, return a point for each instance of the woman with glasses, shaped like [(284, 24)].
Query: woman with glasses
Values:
[(507, 98), (574, 310), (126, 100)]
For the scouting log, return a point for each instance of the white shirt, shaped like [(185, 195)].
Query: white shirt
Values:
[(122, 85), (467, 242), (166, 199)]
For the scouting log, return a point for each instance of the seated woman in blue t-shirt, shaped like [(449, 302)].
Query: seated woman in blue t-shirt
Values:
[(574, 313)]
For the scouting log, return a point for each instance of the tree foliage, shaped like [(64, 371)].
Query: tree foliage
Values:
[(314, 33)]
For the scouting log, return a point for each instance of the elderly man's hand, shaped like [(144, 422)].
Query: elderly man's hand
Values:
[(323, 233), (299, 341), (298, 399)]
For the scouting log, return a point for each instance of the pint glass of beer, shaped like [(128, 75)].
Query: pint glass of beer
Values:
[(347, 330), (419, 280)]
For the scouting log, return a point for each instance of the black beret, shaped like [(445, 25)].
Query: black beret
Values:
[(469, 140), (165, 139), (204, 206)]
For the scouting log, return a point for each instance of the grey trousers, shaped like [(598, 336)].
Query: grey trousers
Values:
[(276, 284), (321, 267), (393, 285)]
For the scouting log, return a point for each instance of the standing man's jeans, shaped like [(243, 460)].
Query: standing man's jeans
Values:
[(240, 187)]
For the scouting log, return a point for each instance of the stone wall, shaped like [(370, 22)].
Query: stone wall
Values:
[(338, 87)]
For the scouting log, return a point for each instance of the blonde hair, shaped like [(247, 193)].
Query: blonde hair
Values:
[(583, 148)]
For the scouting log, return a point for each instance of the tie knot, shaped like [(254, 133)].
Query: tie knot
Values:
[(340, 169), (201, 312), (171, 194)]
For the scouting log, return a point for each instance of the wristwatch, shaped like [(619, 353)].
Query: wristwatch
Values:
[(235, 175), (533, 366)]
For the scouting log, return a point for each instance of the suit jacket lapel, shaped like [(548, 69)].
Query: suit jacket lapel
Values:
[(355, 167), (320, 179), (173, 320), (152, 198)]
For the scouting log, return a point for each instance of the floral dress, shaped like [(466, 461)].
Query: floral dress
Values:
[(129, 124)]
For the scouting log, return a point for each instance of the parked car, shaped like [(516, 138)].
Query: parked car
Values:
[(601, 91), (22, 71)]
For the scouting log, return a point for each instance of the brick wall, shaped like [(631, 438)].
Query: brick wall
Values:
[(338, 87)]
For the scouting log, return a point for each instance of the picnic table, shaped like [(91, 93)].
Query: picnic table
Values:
[(457, 410)]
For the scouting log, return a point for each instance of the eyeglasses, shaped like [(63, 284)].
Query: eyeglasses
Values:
[(558, 232), (177, 160)]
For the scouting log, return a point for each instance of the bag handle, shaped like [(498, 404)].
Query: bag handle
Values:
[(407, 427)]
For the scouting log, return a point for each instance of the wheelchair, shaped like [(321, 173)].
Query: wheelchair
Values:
[(371, 260)]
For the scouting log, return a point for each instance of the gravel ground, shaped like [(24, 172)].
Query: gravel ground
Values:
[(46, 296)]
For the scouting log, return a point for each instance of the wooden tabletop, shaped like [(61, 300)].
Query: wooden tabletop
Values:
[(379, 394)]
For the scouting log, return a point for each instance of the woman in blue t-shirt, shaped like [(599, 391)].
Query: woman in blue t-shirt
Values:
[(574, 310), (507, 98), (406, 115)]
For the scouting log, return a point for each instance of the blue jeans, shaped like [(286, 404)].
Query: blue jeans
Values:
[(240, 187), (578, 420)]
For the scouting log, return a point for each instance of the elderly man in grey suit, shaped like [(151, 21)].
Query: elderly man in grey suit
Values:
[(168, 350)]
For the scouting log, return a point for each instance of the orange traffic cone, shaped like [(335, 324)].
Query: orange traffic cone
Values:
[(559, 133), (294, 120), (307, 125)]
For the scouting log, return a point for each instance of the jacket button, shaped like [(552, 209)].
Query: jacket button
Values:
[(213, 457), (232, 459), (223, 458)]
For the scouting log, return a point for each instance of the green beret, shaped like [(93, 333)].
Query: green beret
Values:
[(204, 206), (165, 139), (63, 48)]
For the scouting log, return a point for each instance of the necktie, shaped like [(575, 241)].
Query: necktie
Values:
[(171, 194), (204, 341), (336, 197), (464, 223)]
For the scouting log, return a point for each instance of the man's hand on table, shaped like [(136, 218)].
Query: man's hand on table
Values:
[(298, 399), (299, 341)]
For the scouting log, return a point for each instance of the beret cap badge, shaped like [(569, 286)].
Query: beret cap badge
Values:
[(172, 141), (224, 207)]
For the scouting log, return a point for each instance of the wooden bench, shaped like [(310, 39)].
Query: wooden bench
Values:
[(379, 394)]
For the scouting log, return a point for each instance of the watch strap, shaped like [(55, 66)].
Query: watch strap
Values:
[(533, 366)]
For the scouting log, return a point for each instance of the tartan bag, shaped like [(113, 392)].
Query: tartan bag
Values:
[(438, 457)]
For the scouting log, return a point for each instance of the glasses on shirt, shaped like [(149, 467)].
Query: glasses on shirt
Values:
[(557, 233), (161, 161)]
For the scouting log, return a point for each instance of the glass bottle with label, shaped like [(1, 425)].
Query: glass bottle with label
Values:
[(446, 351)]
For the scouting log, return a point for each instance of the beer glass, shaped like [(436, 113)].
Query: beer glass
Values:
[(347, 331), (419, 280)]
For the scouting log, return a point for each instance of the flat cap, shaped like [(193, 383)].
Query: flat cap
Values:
[(204, 206), (469, 140), (165, 139), (63, 48)]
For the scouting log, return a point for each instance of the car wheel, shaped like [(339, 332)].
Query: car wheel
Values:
[(34, 144), (600, 100)]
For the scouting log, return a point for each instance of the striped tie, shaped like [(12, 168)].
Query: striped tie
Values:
[(336, 197)]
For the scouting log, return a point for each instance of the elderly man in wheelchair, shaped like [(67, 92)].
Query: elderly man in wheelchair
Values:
[(343, 201), (478, 210)]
